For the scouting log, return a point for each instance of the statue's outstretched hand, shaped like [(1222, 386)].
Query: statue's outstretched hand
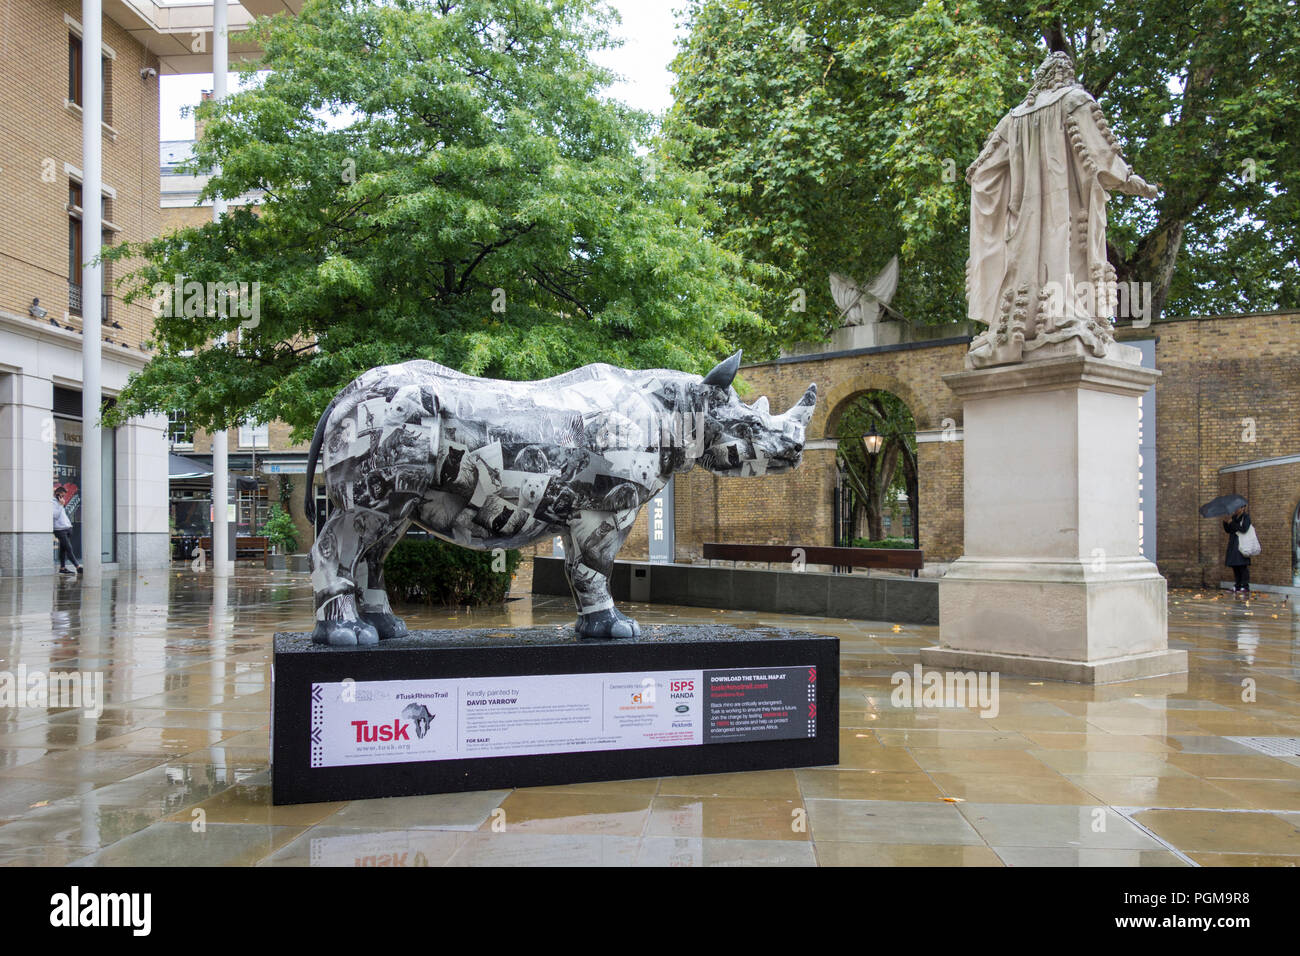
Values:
[(1138, 186)]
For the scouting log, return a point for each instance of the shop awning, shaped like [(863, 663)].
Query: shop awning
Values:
[(178, 467)]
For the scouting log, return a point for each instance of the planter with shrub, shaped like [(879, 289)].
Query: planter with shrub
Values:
[(903, 543), (432, 571), (282, 535)]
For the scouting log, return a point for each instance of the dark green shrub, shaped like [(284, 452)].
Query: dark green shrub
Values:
[(884, 543), (432, 571)]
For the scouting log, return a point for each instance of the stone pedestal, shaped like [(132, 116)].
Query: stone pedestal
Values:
[(1052, 583)]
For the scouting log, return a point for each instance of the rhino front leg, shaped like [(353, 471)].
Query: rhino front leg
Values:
[(590, 546)]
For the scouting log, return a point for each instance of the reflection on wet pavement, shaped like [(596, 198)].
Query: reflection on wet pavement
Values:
[(172, 766)]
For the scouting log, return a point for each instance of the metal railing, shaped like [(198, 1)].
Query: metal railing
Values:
[(75, 300)]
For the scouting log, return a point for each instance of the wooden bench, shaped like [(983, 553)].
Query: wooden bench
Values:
[(894, 559), (246, 546)]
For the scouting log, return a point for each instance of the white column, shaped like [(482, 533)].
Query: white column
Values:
[(222, 564), (92, 112), (142, 492), (26, 469)]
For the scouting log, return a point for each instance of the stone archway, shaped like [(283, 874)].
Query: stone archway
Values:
[(842, 394), (799, 508)]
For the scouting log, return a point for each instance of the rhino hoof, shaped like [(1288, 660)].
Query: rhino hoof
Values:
[(607, 624), (387, 626), (345, 634)]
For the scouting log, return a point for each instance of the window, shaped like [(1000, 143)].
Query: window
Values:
[(254, 507), (76, 253), (74, 78), (74, 68), (254, 436), (106, 67), (74, 246), (179, 431)]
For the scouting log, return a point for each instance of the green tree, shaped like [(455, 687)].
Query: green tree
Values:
[(836, 133), (442, 180)]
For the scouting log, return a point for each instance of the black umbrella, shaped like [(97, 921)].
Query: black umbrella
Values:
[(1222, 505)]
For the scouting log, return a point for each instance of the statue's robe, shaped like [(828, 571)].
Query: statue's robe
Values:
[(1038, 217)]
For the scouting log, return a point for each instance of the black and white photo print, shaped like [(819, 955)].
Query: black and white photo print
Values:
[(492, 464)]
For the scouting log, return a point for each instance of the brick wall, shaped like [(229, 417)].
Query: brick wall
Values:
[(41, 134), (1274, 495), (1229, 394)]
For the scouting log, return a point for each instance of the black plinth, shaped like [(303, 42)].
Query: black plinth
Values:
[(444, 711)]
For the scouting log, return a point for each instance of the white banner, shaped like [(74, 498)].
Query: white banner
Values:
[(408, 721)]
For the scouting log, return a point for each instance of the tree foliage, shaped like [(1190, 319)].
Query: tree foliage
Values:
[(836, 133), (442, 180)]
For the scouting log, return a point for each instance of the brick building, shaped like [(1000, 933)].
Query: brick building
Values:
[(42, 261), (41, 328)]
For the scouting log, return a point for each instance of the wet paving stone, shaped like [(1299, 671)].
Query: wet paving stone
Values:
[(181, 731)]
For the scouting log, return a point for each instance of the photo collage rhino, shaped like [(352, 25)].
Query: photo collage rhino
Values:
[(499, 464)]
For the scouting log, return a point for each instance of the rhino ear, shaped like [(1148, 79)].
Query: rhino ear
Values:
[(724, 372)]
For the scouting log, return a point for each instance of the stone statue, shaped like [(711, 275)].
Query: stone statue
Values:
[(1037, 273), (863, 306), (489, 464)]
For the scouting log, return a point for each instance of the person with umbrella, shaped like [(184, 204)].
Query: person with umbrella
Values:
[(1242, 540)]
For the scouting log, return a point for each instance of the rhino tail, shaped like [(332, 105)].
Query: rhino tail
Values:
[(309, 494)]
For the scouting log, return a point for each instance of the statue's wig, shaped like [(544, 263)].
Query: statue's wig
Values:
[(1055, 72)]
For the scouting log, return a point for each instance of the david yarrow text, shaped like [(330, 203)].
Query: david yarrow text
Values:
[(74, 690)]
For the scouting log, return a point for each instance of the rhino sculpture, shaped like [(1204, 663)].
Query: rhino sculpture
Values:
[(492, 464)]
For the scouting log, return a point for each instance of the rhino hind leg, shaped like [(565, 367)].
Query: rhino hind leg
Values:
[(588, 566), (375, 609)]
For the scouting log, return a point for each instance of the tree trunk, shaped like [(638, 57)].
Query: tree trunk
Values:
[(1154, 262), (913, 497)]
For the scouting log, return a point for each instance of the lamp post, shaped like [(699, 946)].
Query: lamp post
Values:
[(872, 441)]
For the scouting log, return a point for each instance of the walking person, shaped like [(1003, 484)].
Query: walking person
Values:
[(63, 532), (1238, 524)]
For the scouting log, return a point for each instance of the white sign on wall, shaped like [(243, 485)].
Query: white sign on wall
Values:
[(661, 526)]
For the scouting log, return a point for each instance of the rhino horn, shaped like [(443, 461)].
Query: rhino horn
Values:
[(760, 405), (803, 409), (724, 372)]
